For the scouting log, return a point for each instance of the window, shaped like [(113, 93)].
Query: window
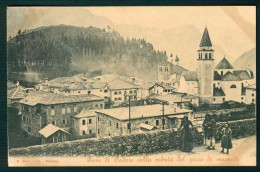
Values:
[(98, 131), (53, 122), (115, 99), (96, 105), (100, 90), (253, 94), (116, 125), (221, 72), (83, 132), (115, 93), (23, 118), (119, 98), (105, 91), (223, 99), (89, 92), (214, 99), (134, 91), (110, 123), (209, 55), (242, 98), (64, 121), (119, 92), (63, 111), (233, 86), (146, 122), (131, 92), (90, 121), (125, 92), (214, 85), (75, 108), (157, 122), (68, 110), (83, 122), (79, 92), (206, 56), (29, 129), (160, 68), (101, 106), (98, 118), (253, 100), (134, 97), (90, 131)]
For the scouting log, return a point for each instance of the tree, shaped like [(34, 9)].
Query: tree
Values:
[(19, 32)]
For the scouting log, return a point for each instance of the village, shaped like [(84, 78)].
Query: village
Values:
[(109, 105)]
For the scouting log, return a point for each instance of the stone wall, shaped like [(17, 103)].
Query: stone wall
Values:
[(142, 143)]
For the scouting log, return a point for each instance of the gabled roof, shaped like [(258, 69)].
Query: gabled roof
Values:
[(190, 75), (242, 74), (51, 129), (224, 64), (16, 93), (216, 76), (230, 77), (118, 84), (86, 113), (40, 97), (205, 40), (218, 92), (162, 85)]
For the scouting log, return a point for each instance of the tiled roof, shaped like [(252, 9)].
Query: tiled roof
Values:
[(162, 85), (16, 93), (46, 98), (230, 77), (85, 113), (190, 75), (224, 64), (218, 92), (205, 40), (253, 86), (51, 129), (242, 74), (120, 84), (142, 111)]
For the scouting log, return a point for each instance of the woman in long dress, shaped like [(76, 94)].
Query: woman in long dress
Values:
[(226, 142), (186, 140), (209, 126)]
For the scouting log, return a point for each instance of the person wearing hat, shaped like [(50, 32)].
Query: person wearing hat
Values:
[(226, 142), (186, 141)]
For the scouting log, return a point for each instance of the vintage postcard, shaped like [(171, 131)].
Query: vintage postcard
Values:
[(131, 86)]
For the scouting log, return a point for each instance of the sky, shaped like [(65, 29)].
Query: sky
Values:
[(232, 28)]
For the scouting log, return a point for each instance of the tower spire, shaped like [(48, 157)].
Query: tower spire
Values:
[(205, 40)]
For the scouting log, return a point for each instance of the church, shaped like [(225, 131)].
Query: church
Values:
[(213, 84)]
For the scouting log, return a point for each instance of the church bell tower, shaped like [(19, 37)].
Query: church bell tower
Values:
[(205, 69)]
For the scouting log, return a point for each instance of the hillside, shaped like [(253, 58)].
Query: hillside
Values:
[(246, 60), (63, 50)]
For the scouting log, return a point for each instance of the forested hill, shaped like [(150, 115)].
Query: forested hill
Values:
[(62, 50)]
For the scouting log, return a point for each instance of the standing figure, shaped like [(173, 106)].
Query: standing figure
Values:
[(209, 126), (226, 142), (186, 141)]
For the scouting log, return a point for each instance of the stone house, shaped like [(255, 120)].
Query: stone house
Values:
[(160, 88), (250, 94), (115, 122), (84, 123), (39, 109)]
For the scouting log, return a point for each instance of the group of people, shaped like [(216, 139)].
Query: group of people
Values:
[(209, 128)]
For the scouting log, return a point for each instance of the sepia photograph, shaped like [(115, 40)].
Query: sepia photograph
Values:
[(131, 86)]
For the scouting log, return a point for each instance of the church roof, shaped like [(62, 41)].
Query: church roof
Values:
[(224, 64), (216, 76), (230, 77), (218, 92), (190, 75), (205, 40), (242, 74)]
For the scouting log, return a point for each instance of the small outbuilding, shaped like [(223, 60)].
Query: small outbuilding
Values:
[(53, 134)]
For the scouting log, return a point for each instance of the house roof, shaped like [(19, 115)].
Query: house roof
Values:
[(51, 129), (120, 84), (224, 64), (190, 75), (242, 74), (205, 40), (16, 93), (138, 112), (172, 98), (216, 76), (230, 77), (147, 126), (46, 98), (162, 85), (253, 86), (218, 92), (85, 113)]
